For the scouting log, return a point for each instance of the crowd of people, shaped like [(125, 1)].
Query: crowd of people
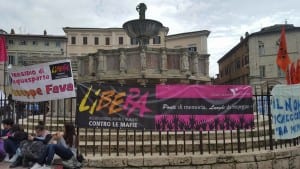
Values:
[(37, 151)]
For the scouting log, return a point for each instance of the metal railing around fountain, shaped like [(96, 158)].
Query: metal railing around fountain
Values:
[(117, 142)]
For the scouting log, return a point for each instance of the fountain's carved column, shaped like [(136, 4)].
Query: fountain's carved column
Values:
[(143, 60), (123, 65), (163, 65), (80, 66), (184, 62), (101, 64), (91, 68), (195, 66), (206, 65)]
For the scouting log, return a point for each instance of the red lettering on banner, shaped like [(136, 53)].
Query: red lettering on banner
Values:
[(59, 88)]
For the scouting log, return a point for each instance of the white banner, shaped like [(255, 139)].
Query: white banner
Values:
[(286, 111), (42, 82)]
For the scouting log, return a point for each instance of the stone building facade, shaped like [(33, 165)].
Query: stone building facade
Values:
[(255, 57), (29, 49), (234, 65)]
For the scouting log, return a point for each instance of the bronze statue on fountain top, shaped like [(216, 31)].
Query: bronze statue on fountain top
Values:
[(142, 29), (141, 8)]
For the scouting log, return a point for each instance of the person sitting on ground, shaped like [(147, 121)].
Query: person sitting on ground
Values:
[(62, 144), (25, 152), (6, 131), (7, 126), (12, 142)]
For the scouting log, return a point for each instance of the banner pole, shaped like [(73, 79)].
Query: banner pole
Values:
[(4, 76)]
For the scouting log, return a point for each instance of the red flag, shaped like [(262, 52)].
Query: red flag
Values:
[(293, 73), (283, 59), (3, 53), (288, 75), (298, 72)]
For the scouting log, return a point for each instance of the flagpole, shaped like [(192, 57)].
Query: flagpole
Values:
[(4, 76)]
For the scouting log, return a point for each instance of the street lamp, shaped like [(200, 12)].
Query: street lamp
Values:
[(6, 68)]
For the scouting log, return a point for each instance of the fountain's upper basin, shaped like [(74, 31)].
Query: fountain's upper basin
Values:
[(142, 28)]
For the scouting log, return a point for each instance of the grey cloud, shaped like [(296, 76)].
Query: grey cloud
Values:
[(227, 20)]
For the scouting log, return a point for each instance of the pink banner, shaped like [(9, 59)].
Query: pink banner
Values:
[(203, 91), (3, 53)]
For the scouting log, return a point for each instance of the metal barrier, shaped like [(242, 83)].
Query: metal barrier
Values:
[(117, 142)]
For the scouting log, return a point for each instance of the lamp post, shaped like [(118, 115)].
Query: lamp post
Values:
[(6, 68)]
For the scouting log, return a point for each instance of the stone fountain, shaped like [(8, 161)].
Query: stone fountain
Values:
[(142, 29), (154, 64)]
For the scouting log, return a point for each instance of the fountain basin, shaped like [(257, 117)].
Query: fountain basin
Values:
[(145, 28)]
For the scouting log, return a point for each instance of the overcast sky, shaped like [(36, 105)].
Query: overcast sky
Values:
[(226, 19)]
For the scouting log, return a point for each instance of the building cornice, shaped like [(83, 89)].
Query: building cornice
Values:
[(31, 36), (188, 34), (81, 29)]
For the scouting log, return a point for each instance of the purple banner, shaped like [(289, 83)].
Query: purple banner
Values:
[(165, 107)]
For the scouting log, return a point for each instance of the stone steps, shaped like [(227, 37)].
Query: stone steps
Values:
[(139, 136), (110, 141), (130, 135), (164, 146)]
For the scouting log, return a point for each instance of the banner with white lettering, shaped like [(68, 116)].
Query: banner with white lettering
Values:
[(42, 82), (286, 111)]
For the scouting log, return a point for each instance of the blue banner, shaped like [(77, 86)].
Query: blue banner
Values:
[(286, 111)]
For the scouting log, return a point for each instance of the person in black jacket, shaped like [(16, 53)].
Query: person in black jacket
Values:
[(12, 142), (41, 135), (7, 127), (6, 131)]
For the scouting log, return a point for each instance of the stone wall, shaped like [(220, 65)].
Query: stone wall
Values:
[(288, 158)]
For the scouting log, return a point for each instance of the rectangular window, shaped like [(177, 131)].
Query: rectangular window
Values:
[(10, 41), (107, 41), (261, 48), (22, 42), (73, 40), (146, 41), (262, 71), (134, 41), (46, 43), (192, 49), (85, 40), (246, 58), (238, 64), (34, 43), (11, 60), (121, 41), (156, 40), (57, 43), (96, 40)]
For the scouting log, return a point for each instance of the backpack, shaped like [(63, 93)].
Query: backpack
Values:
[(32, 149)]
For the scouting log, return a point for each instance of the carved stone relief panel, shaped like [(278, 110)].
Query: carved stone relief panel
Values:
[(113, 63), (133, 63), (152, 61), (173, 61)]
